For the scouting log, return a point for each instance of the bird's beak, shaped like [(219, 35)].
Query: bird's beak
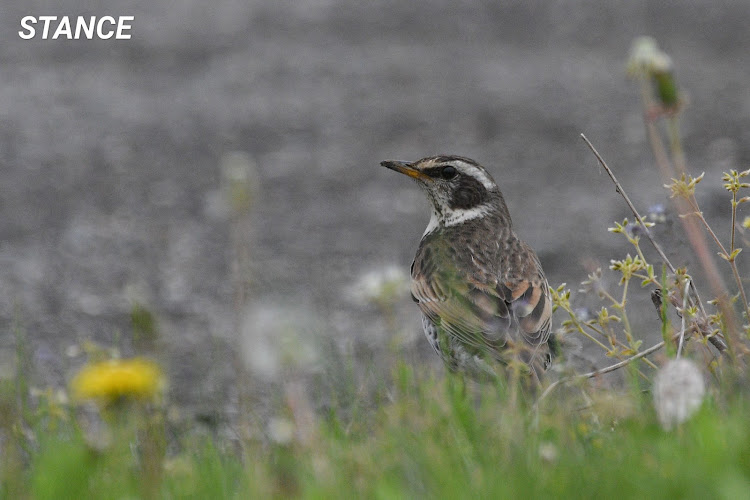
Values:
[(405, 167)]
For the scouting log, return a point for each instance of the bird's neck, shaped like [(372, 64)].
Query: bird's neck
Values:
[(490, 214)]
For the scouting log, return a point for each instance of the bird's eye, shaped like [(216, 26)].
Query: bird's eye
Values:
[(448, 172)]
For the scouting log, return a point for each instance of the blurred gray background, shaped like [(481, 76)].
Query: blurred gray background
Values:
[(115, 159)]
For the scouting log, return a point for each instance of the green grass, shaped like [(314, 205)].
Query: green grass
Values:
[(434, 438)]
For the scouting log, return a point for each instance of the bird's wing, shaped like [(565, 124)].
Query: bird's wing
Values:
[(484, 312), (529, 300), (474, 314)]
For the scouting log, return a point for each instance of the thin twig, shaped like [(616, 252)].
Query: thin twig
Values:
[(596, 373), (716, 342), (622, 363), (638, 217)]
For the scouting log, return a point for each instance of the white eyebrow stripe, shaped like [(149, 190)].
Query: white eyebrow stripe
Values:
[(473, 170)]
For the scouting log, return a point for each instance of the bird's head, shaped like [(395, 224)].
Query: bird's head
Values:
[(458, 188)]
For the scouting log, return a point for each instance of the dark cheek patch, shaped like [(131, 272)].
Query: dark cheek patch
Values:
[(468, 194)]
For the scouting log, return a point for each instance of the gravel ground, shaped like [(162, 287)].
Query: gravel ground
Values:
[(111, 157)]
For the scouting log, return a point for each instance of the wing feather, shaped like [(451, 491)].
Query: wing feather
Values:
[(484, 313)]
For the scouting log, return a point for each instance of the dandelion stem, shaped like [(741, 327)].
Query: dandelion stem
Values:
[(675, 143)]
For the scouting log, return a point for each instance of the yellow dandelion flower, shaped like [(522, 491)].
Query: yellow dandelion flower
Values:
[(118, 378)]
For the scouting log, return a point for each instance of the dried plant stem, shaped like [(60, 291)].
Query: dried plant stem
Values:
[(620, 364), (695, 236), (596, 373), (727, 255), (637, 215), (697, 300), (692, 230), (698, 242)]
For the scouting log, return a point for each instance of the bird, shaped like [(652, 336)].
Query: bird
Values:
[(482, 292)]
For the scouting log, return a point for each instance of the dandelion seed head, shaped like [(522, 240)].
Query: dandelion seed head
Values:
[(679, 389), (381, 286), (548, 452), (281, 430), (646, 57), (275, 337)]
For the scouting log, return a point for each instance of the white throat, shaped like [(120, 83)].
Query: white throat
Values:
[(455, 217)]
